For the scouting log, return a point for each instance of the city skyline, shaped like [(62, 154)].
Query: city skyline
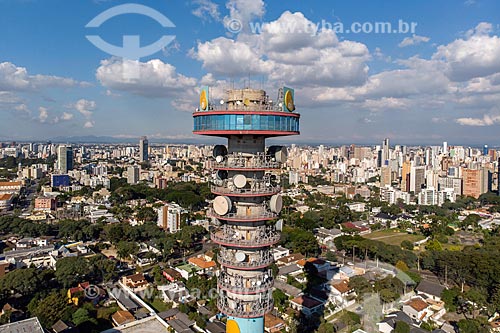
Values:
[(446, 70)]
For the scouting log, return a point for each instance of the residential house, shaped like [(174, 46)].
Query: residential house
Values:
[(341, 294), (121, 317), (386, 220), (202, 264), (293, 270), (273, 324), (288, 289), (388, 324), (430, 290), (327, 236), (137, 282), (175, 292), (307, 305), (280, 252), (417, 309), (356, 228), (76, 293), (171, 274), (289, 260), (62, 326)]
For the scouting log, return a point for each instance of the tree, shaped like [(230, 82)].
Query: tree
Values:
[(81, 316), (102, 269), (401, 265), (50, 309), (71, 271), (330, 256), (147, 214), (280, 299), (300, 241), (124, 249), (407, 245), (433, 245), (450, 299), (472, 326), (361, 286), (326, 327), (401, 327), (25, 281)]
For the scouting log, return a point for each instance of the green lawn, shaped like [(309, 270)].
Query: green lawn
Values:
[(159, 305), (393, 237)]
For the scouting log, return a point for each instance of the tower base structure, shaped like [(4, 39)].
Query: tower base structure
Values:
[(245, 325)]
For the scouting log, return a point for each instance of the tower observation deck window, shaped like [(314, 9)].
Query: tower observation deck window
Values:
[(240, 122)]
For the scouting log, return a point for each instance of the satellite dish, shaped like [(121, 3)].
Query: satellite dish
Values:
[(259, 283), (239, 181), (222, 205), (266, 276), (219, 159), (280, 105), (238, 102), (240, 256), (221, 174), (279, 225), (290, 105), (203, 100), (276, 203), (219, 150), (221, 102)]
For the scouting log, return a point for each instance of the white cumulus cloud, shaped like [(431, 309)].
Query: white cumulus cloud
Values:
[(413, 40)]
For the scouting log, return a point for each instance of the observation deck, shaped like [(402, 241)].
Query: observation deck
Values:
[(247, 112)]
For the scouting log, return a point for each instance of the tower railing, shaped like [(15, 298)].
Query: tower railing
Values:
[(252, 161), (257, 187), (245, 309), (257, 259), (258, 236), (238, 283), (263, 215)]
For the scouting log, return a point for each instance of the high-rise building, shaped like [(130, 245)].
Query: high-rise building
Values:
[(169, 217), (247, 196), (385, 176), (417, 179), (64, 159), (405, 176), (476, 182), (385, 151), (445, 147), (143, 149), (133, 174), (485, 150)]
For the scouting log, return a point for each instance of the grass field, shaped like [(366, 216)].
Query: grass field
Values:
[(393, 237)]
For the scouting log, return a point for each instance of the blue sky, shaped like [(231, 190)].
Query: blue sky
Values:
[(440, 82)]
